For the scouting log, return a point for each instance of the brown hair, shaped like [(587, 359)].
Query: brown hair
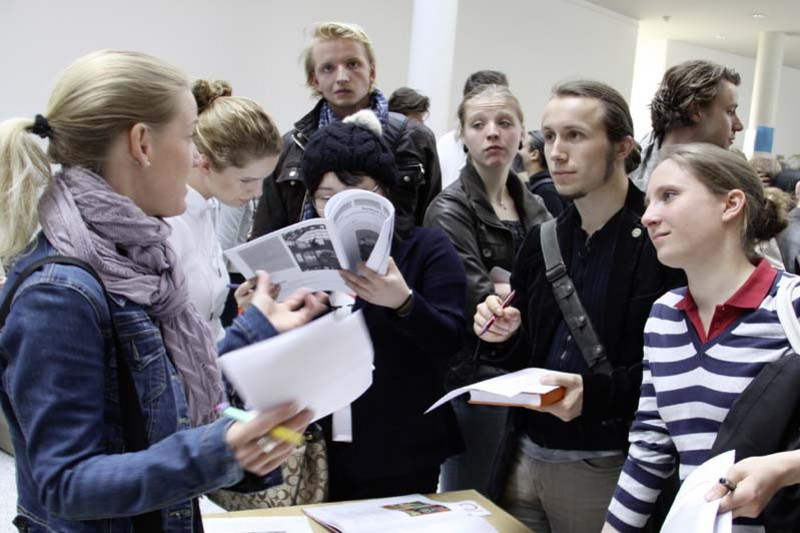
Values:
[(766, 209), (764, 163), (332, 31), (490, 91), (616, 114), (231, 130), (685, 89), (406, 100), (98, 97)]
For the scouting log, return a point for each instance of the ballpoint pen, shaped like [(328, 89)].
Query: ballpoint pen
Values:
[(506, 303)]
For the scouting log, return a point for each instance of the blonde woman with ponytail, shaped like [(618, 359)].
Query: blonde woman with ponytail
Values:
[(238, 145), (705, 343), (85, 379)]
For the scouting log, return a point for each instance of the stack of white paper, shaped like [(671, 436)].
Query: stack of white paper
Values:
[(519, 388), (322, 366)]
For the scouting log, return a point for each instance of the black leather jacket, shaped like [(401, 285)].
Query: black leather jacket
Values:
[(464, 212), (415, 154)]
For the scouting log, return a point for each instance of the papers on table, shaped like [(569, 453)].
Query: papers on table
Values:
[(690, 512), (509, 389), (402, 514), (322, 366), (257, 524)]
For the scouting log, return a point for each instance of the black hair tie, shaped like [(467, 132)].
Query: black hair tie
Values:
[(41, 127)]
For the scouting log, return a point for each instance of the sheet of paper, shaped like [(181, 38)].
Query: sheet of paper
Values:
[(508, 385), (258, 524), (402, 514), (690, 512), (322, 366)]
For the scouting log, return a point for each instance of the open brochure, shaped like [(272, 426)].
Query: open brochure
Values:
[(257, 524), (690, 512), (402, 514), (517, 389), (305, 367), (358, 226)]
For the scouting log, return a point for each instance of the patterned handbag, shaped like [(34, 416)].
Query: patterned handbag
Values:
[(305, 480)]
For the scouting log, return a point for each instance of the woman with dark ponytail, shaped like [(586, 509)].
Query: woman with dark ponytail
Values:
[(705, 343)]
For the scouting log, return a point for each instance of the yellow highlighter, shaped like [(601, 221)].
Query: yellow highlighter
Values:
[(279, 432)]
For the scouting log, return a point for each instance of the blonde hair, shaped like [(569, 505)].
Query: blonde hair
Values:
[(331, 31), (232, 130), (99, 96), (500, 92), (766, 209)]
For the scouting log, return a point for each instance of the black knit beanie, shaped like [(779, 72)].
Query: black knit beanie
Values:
[(353, 145)]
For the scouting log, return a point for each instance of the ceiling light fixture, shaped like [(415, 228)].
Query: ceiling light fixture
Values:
[(759, 16), (721, 37)]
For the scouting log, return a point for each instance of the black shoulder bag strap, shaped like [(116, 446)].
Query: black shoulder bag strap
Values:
[(133, 423), (578, 321)]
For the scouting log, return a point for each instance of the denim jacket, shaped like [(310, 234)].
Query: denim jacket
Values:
[(59, 393)]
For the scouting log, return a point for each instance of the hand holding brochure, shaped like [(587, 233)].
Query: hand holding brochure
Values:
[(305, 367), (690, 512), (402, 514), (517, 389), (358, 226)]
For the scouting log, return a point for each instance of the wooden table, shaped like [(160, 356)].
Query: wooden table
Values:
[(501, 520)]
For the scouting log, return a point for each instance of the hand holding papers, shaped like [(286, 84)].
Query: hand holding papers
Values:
[(518, 389), (358, 226), (322, 366), (690, 512)]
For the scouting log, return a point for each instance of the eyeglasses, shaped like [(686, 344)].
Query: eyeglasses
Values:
[(321, 201)]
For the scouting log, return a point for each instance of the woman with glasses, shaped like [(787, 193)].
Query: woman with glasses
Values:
[(414, 315)]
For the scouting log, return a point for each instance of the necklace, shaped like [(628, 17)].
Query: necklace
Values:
[(501, 204)]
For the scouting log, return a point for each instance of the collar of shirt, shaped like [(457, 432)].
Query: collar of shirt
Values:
[(196, 204), (748, 296)]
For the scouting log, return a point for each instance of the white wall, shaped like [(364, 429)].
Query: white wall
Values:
[(538, 43), (254, 44)]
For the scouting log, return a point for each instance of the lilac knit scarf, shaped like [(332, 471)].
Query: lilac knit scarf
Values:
[(83, 217)]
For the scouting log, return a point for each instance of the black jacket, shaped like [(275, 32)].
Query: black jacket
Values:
[(415, 154), (609, 401), (465, 214), (541, 184)]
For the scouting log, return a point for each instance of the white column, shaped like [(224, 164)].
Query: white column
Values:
[(769, 62), (430, 65), (648, 69)]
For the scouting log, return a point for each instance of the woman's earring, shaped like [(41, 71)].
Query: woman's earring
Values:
[(520, 144), (466, 151)]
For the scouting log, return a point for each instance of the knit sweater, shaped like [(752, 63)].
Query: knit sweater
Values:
[(688, 388)]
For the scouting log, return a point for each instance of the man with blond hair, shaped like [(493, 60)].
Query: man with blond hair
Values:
[(340, 69), (696, 102)]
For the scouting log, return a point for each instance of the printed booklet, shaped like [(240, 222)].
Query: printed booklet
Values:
[(358, 226), (402, 514), (517, 389)]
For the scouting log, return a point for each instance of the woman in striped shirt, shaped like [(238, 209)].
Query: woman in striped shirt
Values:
[(706, 342)]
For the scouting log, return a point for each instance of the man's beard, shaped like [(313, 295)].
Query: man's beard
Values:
[(607, 176)]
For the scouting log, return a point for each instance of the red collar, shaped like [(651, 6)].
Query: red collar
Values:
[(748, 296)]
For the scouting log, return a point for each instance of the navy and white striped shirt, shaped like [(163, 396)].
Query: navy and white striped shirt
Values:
[(688, 387)]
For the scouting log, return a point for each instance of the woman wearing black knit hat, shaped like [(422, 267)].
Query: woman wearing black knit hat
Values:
[(414, 315)]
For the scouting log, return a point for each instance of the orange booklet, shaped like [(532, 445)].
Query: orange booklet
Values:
[(516, 389), (523, 399)]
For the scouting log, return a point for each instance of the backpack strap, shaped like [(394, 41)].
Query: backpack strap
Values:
[(395, 125), (578, 321), (133, 422)]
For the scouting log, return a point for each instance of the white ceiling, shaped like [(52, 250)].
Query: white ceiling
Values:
[(706, 22)]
